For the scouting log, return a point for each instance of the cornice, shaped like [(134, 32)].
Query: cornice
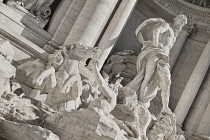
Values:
[(195, 14)]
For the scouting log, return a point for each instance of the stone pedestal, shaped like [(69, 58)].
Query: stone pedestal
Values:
[(114, 29), (90, 22), (177, 47), (193, 85)]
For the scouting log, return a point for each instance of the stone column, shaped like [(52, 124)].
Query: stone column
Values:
[(90, 22), (58, 15), (63, 20), (193, 85), (177, 47), (114, 29), (198, 108), (203, 130)]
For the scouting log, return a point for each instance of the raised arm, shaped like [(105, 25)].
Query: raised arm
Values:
[(156, 32), (99, 79), (145, 23)]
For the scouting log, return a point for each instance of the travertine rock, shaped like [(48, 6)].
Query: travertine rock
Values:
[(132, 113), (122, 64), (6, 69), (6, 50), (84, 124), (23, 109), (164, 128), (17, 131)]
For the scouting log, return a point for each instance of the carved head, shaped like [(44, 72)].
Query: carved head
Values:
[(114, 88), (180, 20), (127, 97), (56, 58)]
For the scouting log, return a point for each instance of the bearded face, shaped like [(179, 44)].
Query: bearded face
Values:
[(179, 22), (56, 58)]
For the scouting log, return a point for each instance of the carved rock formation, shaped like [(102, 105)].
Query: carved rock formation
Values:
[(23, 109), (118, 113), (122, 64), (17, 131), (164, 128), (21, 118), (6, 69), (84, 124)]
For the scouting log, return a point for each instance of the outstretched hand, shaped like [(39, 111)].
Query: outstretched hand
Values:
[(63, 50), (96, 55)]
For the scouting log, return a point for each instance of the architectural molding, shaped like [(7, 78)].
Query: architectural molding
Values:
[(194, 13), (201, 3)]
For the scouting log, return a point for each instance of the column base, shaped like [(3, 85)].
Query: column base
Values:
[(199, 137), (179, 130)]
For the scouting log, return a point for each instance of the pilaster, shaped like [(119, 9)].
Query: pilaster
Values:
[(90, 22), (193, 85)]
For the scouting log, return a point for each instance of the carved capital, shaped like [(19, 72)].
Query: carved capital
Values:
[(191, 29)]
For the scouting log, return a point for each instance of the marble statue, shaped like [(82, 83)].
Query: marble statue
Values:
[(105, 103), (60, 77), (81, 52), (20, 117), (164, 128), (97, 121), (90, 92), (157, 37), (133, 116), (7, 71)]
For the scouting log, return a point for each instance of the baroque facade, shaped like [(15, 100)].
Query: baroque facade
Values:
[(51, 53)]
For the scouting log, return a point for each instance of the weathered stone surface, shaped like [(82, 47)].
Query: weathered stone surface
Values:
[(89, 123), (6, 69), (84, 124), (17, 131), (22, 109), (164, 128), (122, 64)]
